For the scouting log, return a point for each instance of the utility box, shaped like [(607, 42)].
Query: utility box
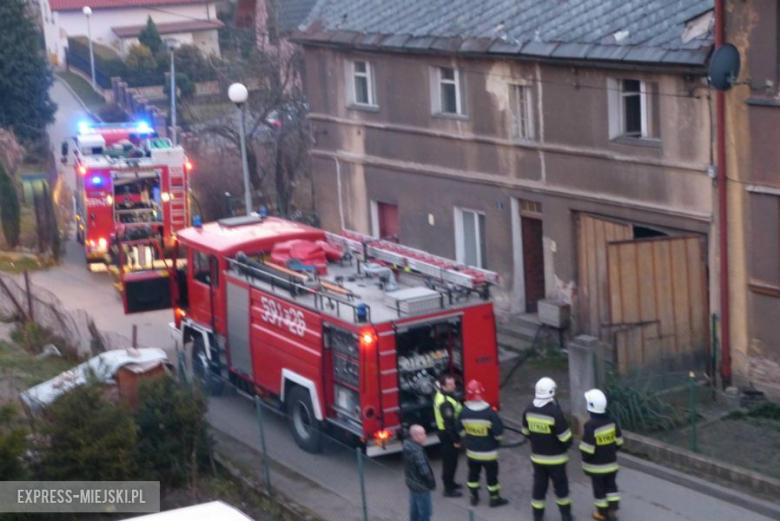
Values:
[(554, 313)]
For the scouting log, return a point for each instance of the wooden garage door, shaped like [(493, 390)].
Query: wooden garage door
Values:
[(658, 304), (593, 296)]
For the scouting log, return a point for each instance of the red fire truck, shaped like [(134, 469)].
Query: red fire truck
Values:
[(127, 175), (344, 331)]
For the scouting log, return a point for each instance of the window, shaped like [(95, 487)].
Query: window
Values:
[(521, 117), (362, 84), (470, 238), (448, 92), (634, 109), (204, 268)]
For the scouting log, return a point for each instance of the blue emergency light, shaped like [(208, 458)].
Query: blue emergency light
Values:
[(144, 128), (97, 181), (84, 127)]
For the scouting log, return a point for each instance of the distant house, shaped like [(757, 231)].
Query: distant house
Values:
[(117, 23)]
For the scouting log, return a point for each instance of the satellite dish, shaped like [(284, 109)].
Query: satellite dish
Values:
[(724, 67)]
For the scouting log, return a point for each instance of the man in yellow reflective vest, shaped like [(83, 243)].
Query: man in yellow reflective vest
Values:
[(545, 425), (447, 411), (483, 430), (601, 439)]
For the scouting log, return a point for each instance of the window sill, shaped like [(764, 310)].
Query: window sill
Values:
[(364, 108), (637, 141), (447, 115), (524, 140), (764, 288)]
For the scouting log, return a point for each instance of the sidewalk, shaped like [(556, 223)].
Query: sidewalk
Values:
[(328, 483)]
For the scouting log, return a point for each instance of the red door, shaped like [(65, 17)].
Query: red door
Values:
[(533, 262), (388, 221)]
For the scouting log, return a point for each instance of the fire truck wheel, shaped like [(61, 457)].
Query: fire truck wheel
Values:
[(201, 369), (303, 424)]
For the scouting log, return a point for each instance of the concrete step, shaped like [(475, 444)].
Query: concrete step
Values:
[(512, 343), (523, 327)]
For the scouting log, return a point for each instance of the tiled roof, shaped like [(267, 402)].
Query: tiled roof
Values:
[(169, 28), (74, 5), (649, 31), (293, 12)]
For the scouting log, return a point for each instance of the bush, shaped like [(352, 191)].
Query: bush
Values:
[(190, 61), (142, 67), (88, 438), (150, 37), (174, 442), (13, 444), (10, 212)]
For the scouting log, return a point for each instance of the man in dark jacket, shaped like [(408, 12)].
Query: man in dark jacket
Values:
[(419, 475), (601, 439), (545, 425)]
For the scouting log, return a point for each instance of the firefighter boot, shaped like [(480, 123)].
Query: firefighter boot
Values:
[(474, 500), (498, 501)]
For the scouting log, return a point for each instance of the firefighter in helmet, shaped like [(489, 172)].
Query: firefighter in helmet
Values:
[(601, 439), (546, 427), (483, 430), (446, 410)]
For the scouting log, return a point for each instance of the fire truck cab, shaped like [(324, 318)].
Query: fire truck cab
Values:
[(345, 332), (127, 177)]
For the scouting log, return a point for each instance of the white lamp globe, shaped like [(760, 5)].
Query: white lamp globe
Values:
[(87, 11), (238, 93)]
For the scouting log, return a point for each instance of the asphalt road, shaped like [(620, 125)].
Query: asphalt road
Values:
[(646, 498)]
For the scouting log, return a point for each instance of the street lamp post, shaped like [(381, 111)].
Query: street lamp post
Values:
[(238, 94), (88, 13), (171, 47)]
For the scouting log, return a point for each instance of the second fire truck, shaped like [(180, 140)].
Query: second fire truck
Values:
[(127, 178)]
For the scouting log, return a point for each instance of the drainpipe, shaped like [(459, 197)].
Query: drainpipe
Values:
[(720, 125)]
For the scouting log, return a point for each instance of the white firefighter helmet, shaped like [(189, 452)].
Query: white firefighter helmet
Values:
[(597, 402), (545, 389)]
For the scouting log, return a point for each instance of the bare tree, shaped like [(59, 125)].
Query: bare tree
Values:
[(276, 122)]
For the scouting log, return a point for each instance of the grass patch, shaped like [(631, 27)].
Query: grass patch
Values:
[(27, 368), (83, 90), (17, 264)]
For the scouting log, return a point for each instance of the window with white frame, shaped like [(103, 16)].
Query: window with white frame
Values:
[(634, 109), (362, 83), (448, 92), (470, 237), (521, 118)]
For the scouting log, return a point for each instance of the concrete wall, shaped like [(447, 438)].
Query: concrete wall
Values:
[(398, 152), (58, 26)]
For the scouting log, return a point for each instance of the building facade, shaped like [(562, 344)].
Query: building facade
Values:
[(752, 156), (569, 151), (116, 24)]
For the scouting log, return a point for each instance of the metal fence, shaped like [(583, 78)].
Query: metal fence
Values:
[(340, 483)]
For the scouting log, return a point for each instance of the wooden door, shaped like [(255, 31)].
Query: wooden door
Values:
[(533, 262), (593, 235), (388, 221), (658, 304)]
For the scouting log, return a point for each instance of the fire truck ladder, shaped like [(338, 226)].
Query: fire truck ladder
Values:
[(177, 188), (433, 266)]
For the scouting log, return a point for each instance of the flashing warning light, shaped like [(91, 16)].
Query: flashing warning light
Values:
[(188, 166), (97, 180), (143, 127), (165, 196), (102, 243), (84, 127), (178, 316), (263, 212), (196, 222), (83, 170), (382, 435), (109, 199), (361, 310), (367, 338)]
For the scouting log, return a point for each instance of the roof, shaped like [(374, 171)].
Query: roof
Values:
[(102, 367), (649, 31), (77, 5), (293, 12), (204, 512), (223, 238), (169, 28)]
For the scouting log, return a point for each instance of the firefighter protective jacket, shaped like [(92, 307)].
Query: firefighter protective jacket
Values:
[(601, 440), (549, 433), (447, 410), (483, 430)]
